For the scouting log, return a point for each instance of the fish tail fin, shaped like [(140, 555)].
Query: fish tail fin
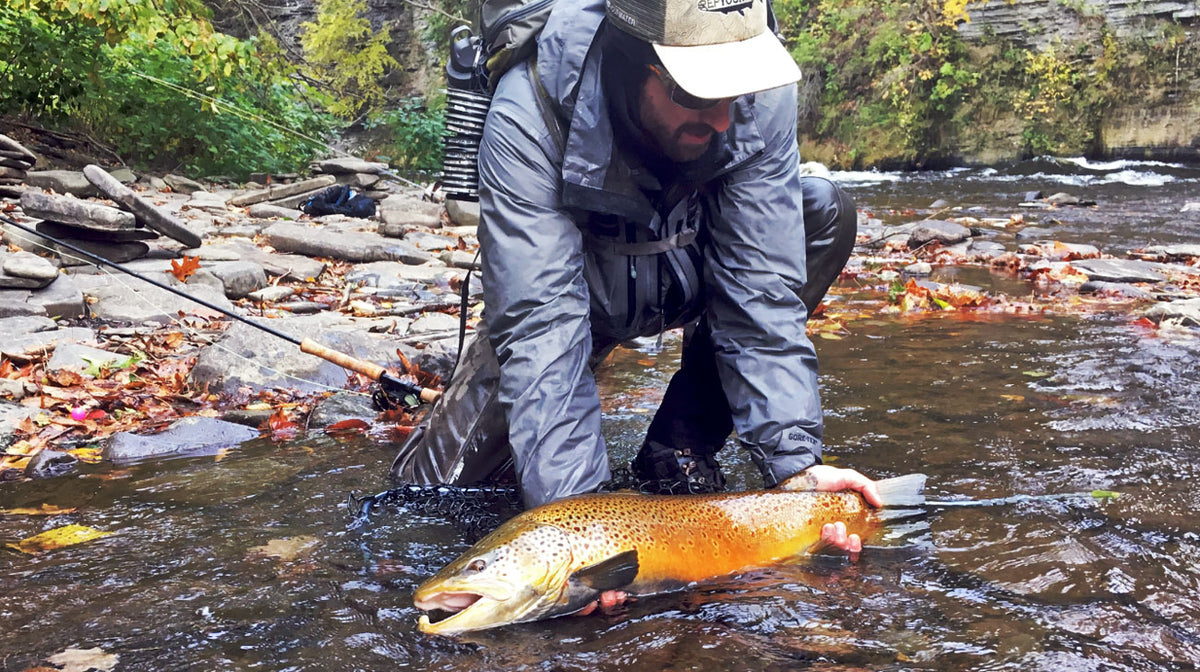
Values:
[(903, 511), (902, 491)]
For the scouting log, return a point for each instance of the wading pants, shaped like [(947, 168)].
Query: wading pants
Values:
[(464, 437)]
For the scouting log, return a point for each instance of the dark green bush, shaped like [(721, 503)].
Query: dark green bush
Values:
[(412, 133)]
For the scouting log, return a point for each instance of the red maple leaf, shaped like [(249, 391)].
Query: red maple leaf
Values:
[(183, 271), (348, 426)]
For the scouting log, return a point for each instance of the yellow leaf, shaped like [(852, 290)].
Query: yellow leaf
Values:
[(288, 548), (829, 336), (43, 510), (67, 535), (83, 660), (1013, 397), (88, 455)]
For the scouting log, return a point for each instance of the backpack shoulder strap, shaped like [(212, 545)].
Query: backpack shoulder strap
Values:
[(547, 107)]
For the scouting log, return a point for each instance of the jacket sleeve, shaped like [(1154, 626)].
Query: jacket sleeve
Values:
[(536, 302), (754, 271)]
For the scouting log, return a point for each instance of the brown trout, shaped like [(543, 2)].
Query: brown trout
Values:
[(556, 559)]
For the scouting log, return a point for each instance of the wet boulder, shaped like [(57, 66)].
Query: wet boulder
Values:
[(1186, 311), (342, 406), (1120, 270), (249, 358), (49, 463), (931, 230), (187, 436)]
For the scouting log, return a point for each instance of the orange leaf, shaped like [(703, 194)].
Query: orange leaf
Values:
[(280, 426), (351, 425), (183, 271)]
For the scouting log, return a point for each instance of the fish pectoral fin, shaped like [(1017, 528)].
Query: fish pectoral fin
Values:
[(616, 572)]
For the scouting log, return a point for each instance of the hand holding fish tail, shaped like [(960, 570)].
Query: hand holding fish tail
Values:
[(824, 478)]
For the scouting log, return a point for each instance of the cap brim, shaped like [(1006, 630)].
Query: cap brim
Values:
[(730, 69)]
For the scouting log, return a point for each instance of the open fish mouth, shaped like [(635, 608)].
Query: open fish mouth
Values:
[(452, 612)]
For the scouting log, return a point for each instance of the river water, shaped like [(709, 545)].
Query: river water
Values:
[(989, 406)]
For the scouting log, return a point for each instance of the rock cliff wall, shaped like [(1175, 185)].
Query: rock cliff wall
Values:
[(405, 22), (1167, 128), (1039, 23)]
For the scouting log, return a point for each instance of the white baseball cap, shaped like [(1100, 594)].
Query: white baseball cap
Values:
[(711, 48)]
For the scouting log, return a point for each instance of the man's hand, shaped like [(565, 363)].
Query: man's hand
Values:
[(825, 478), (608, 600)]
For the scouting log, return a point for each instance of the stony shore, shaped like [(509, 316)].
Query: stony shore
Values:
[(82, 345)]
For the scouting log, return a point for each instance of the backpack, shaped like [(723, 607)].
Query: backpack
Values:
[(508, 36), (508, 31), (339, 199)]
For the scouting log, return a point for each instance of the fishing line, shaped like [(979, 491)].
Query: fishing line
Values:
[(215, 103), (37, 242), (1017, 499)]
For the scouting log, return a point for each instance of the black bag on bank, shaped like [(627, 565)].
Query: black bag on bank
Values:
[(339, 200)]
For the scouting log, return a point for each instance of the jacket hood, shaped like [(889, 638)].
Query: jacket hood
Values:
[(595, 175)]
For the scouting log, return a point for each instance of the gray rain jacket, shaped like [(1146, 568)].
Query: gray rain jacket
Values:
[(558, 286)]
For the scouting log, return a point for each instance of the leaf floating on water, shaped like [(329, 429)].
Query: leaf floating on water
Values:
[(1105, 494), (43, 510), (88, 455), (1013, 397), (1036, 374), (288, 548), (82, 660), (59, 537), (348, 426)]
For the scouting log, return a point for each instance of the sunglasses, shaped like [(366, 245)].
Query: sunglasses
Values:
[(679, 96)]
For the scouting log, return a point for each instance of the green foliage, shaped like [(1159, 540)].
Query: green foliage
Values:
[(891, 72), (348, 56), (44, 65), (890, 82), (232, 130), (85, 63), (413, 132)]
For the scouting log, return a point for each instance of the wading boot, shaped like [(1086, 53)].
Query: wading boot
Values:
[(664, 470)]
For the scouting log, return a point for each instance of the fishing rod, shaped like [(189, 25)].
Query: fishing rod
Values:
[(392, 387)]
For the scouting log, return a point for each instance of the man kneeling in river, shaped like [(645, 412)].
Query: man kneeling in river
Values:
[(641, 173)]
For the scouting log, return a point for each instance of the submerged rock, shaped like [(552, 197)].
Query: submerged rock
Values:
[(1120, 270), (1186, 311)]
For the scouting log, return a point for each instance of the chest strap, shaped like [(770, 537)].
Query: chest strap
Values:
[(650, 247)]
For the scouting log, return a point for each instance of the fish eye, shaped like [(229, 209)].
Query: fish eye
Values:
[(477, 565)]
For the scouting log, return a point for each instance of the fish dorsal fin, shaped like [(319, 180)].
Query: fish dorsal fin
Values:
[(610, 574)]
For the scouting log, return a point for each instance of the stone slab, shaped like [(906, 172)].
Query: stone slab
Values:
[(347, 246), (1120, 270), (70, 210)]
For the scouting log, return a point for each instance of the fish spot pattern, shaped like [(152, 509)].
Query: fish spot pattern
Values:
[(686, 538)]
